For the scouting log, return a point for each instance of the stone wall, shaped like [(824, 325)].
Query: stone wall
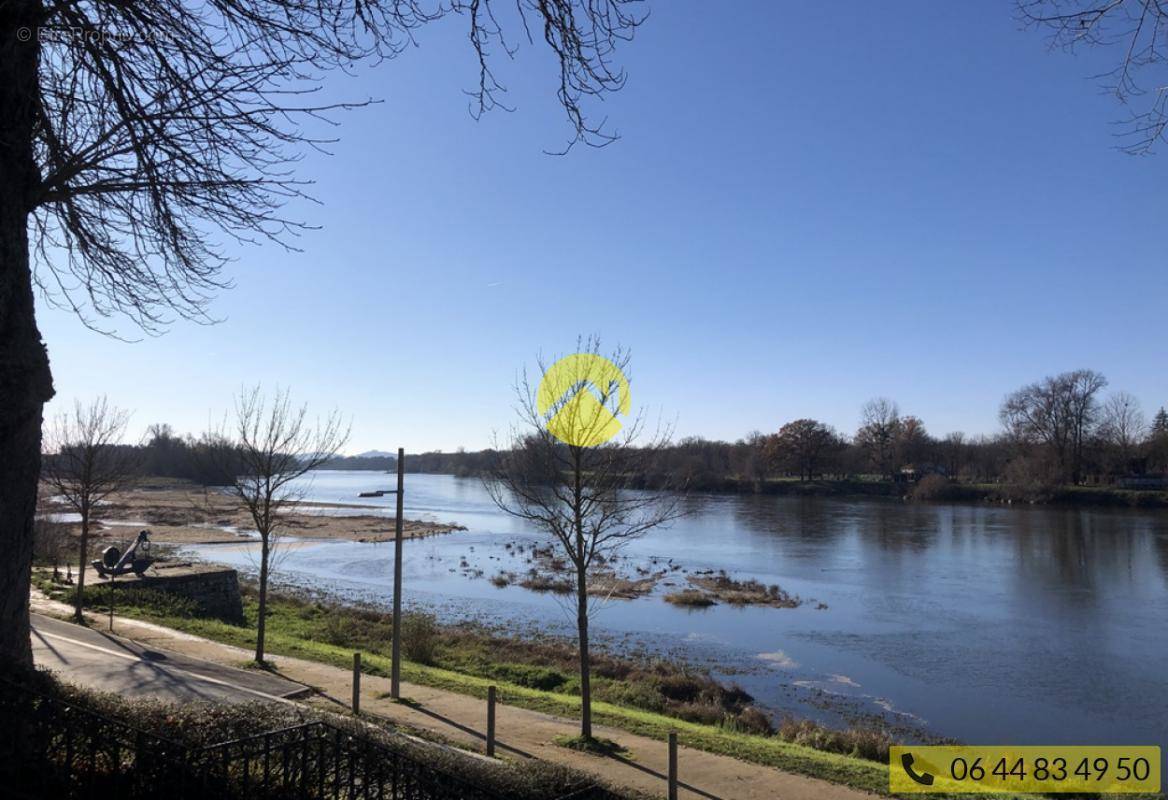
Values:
[(214, 590)]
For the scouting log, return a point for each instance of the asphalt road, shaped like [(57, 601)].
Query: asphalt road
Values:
[(100, 660)]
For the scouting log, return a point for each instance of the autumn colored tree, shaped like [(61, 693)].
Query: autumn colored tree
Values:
[(803, 445)]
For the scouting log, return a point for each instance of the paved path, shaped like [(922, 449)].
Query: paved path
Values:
[(194, 667), (100, 660)]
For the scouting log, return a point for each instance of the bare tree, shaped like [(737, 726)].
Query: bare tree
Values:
[(561, 474), (87, 462), (879, 429), (137, 137), (955, 449), (1138, 32), (1122, 427), (263, 453), (1059, 412)]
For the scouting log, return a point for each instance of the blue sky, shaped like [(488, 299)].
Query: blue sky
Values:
[(810, 205)]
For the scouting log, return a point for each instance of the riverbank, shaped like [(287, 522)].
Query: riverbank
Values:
[(644, 697), (185, 514), (457, 719)]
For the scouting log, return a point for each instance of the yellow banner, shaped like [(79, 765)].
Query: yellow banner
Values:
[(960, 770)]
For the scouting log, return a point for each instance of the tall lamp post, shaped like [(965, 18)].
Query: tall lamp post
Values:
[(395, 669)]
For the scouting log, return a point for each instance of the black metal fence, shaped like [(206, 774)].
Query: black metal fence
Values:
[(53, 748), (317, 760)]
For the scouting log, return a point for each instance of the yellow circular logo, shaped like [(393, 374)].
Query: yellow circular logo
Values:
[(580, 396)]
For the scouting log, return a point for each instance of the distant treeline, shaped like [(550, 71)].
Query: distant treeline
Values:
[(1060, 432), (166, 454)]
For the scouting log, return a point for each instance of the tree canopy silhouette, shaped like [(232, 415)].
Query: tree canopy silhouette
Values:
[(137, 139)]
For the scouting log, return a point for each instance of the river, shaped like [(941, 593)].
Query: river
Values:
[(986, 623)]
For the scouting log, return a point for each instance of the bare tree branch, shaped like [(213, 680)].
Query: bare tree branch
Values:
[(160, 126), (1138, 31), (264, 452), (581, 495)]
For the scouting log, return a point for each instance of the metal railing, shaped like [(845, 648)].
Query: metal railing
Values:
[(52, 748), (317, 760)]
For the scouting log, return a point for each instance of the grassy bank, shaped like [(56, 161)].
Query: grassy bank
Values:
[(646, 698)]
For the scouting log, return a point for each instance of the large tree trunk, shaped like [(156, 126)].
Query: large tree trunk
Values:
[(585, 665), (262, 611), (25, 384)]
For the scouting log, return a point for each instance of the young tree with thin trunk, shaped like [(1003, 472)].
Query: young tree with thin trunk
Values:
[(1122, 428), (879, 429), (264, 452), (137, 138), (86, 463), (561, 473)]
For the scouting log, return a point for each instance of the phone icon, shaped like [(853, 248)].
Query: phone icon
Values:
[(923, 778)]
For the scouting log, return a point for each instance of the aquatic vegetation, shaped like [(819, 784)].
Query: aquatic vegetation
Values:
[(691, 598), (749, 592)]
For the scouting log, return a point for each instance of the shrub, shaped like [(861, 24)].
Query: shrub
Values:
[(419, 632), (751, 720), (1030, 480), (634, 695), (152, 600), (529, 675), (869, 743), (935, 487), (355, 630)]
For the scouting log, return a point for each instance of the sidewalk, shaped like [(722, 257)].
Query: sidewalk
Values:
[(520, 732)]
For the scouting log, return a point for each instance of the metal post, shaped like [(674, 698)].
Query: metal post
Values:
[(490, 721), (672, 765), (395, 670), (356, 683)]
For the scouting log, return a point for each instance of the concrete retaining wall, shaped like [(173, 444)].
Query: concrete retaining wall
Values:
[(215, 590)]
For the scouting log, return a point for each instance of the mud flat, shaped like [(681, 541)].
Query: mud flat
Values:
[(207, 516)]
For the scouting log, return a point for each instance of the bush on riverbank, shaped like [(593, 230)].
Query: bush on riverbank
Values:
[(938, 488), (869, 743)]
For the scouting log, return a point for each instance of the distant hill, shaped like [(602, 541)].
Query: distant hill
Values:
[(375, 454), (374, 459)]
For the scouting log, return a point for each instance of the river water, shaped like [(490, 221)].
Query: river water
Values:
[(986, 623)]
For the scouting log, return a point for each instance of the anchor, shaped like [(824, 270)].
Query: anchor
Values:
[(114, 562)]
